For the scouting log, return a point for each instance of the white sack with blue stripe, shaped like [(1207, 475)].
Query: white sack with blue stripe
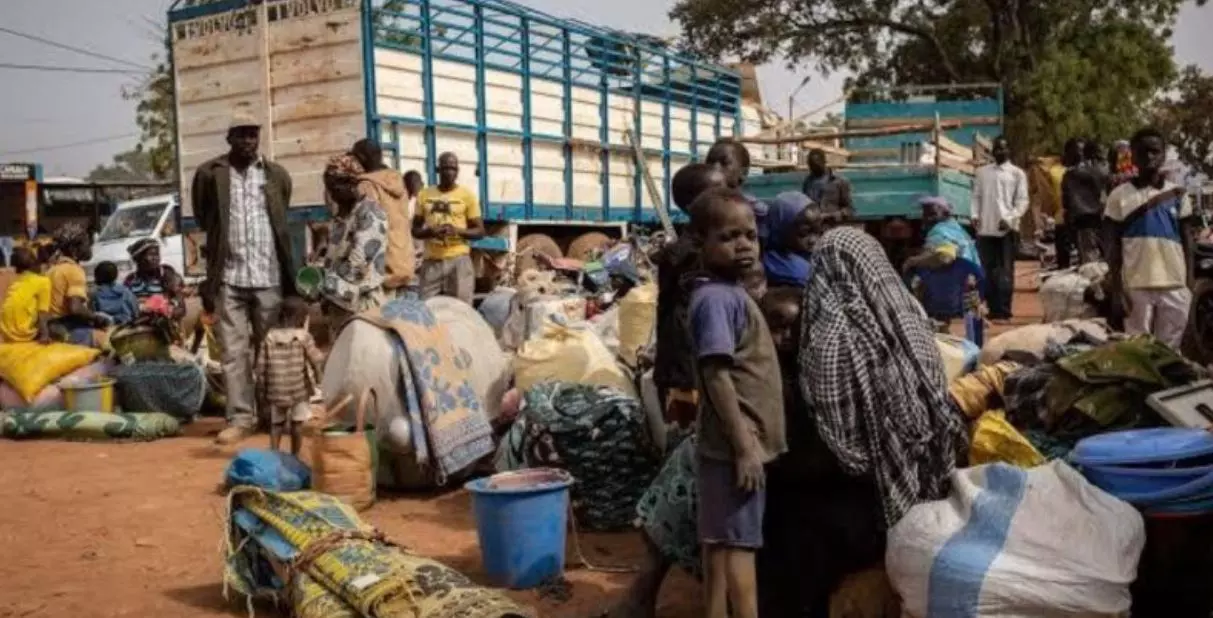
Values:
[(1010, 542)]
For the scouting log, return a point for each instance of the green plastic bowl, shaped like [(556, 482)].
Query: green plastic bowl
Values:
[(308, 280)]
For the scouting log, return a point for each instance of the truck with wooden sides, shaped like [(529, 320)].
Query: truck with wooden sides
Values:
[(568, 133), (557, 123), (894, 149)]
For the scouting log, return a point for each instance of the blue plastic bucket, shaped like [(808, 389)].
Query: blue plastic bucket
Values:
[(521, 519)]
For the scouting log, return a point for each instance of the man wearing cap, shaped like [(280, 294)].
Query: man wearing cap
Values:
[(240, 200)]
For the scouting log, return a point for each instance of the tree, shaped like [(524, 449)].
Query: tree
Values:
[(155, 110), (133, 164), (1066, 67), (1187, 118)]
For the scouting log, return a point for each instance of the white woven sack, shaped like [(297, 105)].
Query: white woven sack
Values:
[(1010, 543), (364, 356)]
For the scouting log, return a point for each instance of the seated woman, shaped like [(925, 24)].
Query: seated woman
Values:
[(355, 263), (71, 318), (152, 279), (795, 224), (946, 277)]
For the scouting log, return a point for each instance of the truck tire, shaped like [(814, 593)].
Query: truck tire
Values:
[(530, 244), (584, 246)]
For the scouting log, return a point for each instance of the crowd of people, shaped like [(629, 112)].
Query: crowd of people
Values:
[(827, 380), (796, 358)]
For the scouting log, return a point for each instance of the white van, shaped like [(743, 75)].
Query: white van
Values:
[(150, 217)]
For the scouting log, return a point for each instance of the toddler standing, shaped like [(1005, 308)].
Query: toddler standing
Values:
[(282, 368)]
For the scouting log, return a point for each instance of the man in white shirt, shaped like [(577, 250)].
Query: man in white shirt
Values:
[(1150, 224), (1000, 200)]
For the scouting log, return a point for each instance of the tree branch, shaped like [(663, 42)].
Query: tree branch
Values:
[(860, 23)]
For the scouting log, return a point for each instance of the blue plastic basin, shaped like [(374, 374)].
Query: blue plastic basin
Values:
[(522, 519), (1135, 481)]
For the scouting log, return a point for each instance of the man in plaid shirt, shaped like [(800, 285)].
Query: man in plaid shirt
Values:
[(240, 200)]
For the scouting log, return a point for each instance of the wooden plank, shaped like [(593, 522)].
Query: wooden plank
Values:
[(950, 146), (874, 132), (960, 166), (968, 121)]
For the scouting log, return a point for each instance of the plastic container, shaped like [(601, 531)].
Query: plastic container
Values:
[(88, 396), (1160, 445), (521, 520), (1118, 480), (307, 282)]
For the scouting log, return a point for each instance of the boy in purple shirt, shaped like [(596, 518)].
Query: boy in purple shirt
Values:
[(741, 416)]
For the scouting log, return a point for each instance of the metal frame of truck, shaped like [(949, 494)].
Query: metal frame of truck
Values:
[(414, 55)]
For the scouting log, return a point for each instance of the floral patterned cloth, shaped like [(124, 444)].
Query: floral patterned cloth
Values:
[(356, 265), (450, 428)]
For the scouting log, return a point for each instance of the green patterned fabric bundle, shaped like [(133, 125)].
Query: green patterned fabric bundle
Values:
[(600, 435), (141, 426)]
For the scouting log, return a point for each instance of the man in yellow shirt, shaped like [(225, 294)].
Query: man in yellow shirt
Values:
[(447, 217), (70, 313), (25, 313)]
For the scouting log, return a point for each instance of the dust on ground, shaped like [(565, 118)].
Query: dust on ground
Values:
[(105, 530)]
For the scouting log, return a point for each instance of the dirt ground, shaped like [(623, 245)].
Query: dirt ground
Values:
[(106, 530)]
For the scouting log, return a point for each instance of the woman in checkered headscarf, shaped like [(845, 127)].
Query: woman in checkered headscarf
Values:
[(872, 375)]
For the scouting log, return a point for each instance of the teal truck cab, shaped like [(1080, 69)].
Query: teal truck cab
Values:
[(897, 151)]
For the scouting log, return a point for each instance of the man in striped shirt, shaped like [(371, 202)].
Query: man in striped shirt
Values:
[(240, 200), (1150, 238)]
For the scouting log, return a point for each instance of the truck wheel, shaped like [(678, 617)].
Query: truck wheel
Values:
[(583, 247), (530, 244)]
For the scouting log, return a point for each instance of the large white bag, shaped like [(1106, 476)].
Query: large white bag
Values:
[(1063, 294), (364, 356), (1015, 543)]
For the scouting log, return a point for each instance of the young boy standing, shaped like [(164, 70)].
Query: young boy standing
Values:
[(282, 364), (741, 416), (1150, 223)]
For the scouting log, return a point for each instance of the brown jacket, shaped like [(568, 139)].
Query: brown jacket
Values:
[(386, 186), (211, 198)]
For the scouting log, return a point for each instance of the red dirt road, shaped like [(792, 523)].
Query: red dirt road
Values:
[(106, 530)]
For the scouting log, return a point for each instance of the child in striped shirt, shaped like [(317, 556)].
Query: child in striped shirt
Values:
[(282, 368)]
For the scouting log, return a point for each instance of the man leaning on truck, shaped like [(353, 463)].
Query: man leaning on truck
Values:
[(240, 200)]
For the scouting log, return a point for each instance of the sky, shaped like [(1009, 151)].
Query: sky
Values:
[(71, 122)]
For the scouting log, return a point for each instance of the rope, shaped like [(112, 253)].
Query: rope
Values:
[(327, 543), (585, 562)]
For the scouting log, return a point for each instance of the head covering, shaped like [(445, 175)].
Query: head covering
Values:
[(344, 166), (141, 246), (782, 266), (340, 168), (937, 202), (871, 371), (242, 118), (70, 234)]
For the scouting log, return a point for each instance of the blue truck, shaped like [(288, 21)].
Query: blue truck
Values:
[(559, 124), (556, 122)]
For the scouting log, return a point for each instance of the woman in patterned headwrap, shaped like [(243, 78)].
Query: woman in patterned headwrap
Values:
[(355, 262), (872, 375)]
